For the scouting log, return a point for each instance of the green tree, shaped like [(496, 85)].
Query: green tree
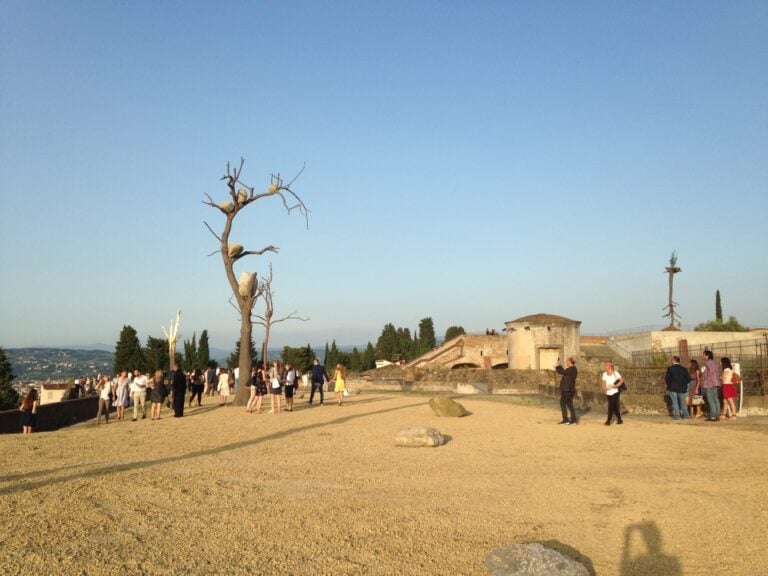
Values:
[(355, 360), (156, 355), (332, 358), (388, 343), (128, 353), (732, 325), (427, 335), (368, 361), (234, 359), (718, 307), (203, 351), (9, 398), (300, 358), (453, 332), (325, 355), (405, 344), (189, 361)]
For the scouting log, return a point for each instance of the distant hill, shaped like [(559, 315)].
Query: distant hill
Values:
[(57, 363)]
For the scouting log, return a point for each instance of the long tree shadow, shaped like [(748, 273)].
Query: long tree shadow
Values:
[(647, 557), (22, 486)]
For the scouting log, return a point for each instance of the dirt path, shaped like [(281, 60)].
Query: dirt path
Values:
[(325, 491)]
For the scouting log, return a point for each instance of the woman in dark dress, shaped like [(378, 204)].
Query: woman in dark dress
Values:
[(196, 383), (157, 394), (179, 392), (28, 411)]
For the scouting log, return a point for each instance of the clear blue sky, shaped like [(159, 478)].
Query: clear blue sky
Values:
[(470, 161)]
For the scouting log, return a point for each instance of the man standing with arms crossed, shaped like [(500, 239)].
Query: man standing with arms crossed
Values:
[(567, 389), (710, 385), (319, 377)]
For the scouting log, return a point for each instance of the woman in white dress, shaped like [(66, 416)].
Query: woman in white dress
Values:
[(225, 381)]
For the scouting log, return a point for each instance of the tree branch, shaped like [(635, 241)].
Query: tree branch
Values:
[(254, 252), (212, 232)]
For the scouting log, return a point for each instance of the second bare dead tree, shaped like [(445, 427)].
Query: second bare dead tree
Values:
[(245, 289), (268, 319)]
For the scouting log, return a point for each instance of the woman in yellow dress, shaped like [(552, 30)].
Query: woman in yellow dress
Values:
[(339, 377)]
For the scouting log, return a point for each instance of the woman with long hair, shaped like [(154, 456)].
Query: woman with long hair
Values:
[(729, 389), (611, 380), (104, 388), (196, 384), (225, 385), (340, 386), (28, 409), (694, 398), (157, 394)]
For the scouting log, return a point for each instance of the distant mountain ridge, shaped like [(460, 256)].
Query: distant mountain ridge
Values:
[(41, 363)]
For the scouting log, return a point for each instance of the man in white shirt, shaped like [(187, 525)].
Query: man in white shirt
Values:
[(139, 394)]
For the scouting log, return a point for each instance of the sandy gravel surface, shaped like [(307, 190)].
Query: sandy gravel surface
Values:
[(325, 491)]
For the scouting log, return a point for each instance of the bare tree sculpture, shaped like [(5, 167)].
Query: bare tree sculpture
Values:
[(265, 289), (672, 269), (171, 335), (245, 291)]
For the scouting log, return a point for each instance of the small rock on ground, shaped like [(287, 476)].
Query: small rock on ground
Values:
[(531, 560), (418, 436)]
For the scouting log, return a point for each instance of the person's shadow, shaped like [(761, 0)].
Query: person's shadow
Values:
[(645, 557)]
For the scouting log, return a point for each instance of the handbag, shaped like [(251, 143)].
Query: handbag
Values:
[(697, 400), (623, 387), (275, 383)]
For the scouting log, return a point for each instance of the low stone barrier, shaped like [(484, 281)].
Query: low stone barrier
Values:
[(52, 416), (646, 387)]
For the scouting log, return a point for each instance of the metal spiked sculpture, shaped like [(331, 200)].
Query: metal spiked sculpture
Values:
[(672, 269)]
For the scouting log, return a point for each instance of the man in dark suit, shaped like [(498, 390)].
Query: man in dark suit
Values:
[(319, 377), (677, 379), (567, 389)]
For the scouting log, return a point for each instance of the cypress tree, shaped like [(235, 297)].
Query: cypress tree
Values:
[(128, 353), (718, 307), (203, 351)]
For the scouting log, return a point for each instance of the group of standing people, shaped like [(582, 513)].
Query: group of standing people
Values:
[(123, 391), (279, 381), (700, 387), (690, 390)]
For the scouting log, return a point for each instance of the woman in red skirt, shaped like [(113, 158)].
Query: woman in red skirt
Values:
[(729, 389)]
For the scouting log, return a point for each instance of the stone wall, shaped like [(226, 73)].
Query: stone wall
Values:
[(52, 416), (646, 388)]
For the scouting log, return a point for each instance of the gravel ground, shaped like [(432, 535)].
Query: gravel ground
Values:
[(324, 490)]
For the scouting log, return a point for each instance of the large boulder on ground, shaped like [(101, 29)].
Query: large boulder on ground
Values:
[(418, 436), (531, 560), (443, 406)]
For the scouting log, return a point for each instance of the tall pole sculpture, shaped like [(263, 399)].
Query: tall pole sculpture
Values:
[(171, 335), (672, 269)]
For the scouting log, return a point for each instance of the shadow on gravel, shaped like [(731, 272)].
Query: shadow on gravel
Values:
[(343, 418)]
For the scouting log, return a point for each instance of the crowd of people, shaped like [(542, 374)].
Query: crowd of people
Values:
[(694, 392)]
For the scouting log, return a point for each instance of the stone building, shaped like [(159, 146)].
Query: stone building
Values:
[(535, 342)]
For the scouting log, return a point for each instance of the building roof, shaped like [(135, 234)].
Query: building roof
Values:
[(542, 318)]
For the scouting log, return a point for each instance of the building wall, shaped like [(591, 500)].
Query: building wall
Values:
[(657, 340), (537, 347)]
